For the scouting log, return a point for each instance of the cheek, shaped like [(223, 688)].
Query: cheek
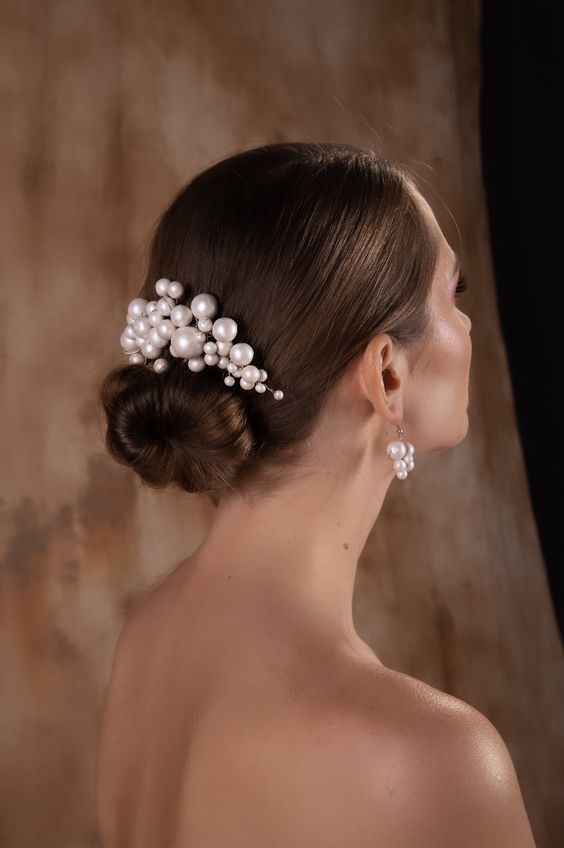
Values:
[(441, 380)]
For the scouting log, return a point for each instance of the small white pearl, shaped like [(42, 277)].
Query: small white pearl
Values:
[(224, 330), (165, 328), (181, 315), (166, 303), (401, 475), (229, 381), (410, 465), (205, 324), (155, 317), (128, 345), (263, 375), (245, 384), (156, 339), (141, 327), (136, 359), (204, 306), (396, 450), (260, 388), (176, 290), (241, 354), (196, 363), (149, 350), (278, 394), (162, 285), (400, 465), (210, 347), (410, 448), (251, 374), (136, 307), (160, 365), (211, 358), (223, 362)]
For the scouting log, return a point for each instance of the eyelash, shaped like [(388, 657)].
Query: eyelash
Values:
[(461, 286)]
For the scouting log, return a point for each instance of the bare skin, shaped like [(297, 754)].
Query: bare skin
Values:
[(243, 707)]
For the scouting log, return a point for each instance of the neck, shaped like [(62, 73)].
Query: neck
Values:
[(290, 560)]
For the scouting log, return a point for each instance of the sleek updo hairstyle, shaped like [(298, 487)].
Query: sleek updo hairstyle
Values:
[(313, 249)]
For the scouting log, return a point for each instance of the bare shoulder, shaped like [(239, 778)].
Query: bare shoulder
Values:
[(449, 775)]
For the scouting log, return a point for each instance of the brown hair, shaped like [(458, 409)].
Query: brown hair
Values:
[(313, 249)]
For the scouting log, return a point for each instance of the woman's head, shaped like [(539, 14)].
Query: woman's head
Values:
[(319, 252)]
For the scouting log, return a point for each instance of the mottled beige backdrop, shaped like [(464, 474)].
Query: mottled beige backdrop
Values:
[(107, 108)]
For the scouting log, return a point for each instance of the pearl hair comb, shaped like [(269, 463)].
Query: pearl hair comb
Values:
[(156, 325)]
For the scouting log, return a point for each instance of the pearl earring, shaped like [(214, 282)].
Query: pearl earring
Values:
[(402, 455)]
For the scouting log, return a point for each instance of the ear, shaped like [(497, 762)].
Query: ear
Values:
[(383, 371)]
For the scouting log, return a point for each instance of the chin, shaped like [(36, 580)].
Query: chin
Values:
[(450, 439)]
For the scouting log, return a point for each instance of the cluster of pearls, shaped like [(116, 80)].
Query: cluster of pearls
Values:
[(402, 455), (154, 325)]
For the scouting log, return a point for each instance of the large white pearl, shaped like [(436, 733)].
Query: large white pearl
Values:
[(204, 306), (175, 290), (396, 450), (181, 315), (128, 345), (165, 329), (196, 364), (185, 343), (241, 354), (137, 307), (160, 365), (251, 374), (224, 330), (149, 350), (162, 285), (155, 339)]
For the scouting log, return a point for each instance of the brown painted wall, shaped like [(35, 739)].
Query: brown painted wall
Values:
[(107, 107)]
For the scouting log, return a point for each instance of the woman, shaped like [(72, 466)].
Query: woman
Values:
[(243, 707)]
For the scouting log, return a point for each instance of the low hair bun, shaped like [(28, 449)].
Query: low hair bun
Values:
[(179, 428)]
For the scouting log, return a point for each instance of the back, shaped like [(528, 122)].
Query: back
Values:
[(208, 741)]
